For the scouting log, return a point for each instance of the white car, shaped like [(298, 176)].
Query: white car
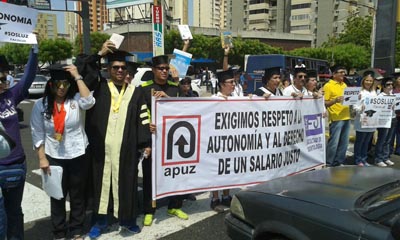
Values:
[(38, 85), (145, 74)]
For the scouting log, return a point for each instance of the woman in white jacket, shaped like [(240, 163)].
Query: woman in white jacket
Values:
[(363, 135)]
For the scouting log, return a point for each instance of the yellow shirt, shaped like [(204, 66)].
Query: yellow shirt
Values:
[(337, 111)]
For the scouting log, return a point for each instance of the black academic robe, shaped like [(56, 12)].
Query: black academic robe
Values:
[(136, 135)]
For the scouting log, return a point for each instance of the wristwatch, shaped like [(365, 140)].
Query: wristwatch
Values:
[(79, 78)]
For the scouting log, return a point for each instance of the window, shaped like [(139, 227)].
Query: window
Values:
[(300, 17), (300, 6), (300, 27), (258, 11)]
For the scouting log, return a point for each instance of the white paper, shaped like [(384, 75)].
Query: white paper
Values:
[(52, 183), (184, 30), (117, 39)]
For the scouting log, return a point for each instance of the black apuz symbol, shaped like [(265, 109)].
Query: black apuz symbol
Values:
[(181, 142), (347, 99), (370, 113)]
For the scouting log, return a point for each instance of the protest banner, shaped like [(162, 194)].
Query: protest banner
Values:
[(206, 144), (17, 24), (397, 102), (180, 62), (185, 32), (378, 112), (350, 96)]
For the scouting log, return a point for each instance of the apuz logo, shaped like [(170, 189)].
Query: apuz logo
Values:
[(181, 139), (313, 124)]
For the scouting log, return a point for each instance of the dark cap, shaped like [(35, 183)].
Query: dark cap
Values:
[(225, 75), (336, 68), (370, 73), (119, 55), (385, 80), (185, 80), (299, 70), (311, 73), (395, 74), (4, 66), (269, 72), (132, 67), (57, 72), (157, 60)]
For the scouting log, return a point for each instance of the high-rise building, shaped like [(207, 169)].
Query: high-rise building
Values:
[(46, 26), (208, 13), (98, 15)]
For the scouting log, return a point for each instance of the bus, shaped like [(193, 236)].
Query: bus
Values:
[(256, 65)]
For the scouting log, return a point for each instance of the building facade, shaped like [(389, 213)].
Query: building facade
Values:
[(46, 26)]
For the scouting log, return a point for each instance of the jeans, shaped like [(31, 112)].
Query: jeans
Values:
[(3, 218), (15, 217), (361, 146), (338, 142), (382, 148)]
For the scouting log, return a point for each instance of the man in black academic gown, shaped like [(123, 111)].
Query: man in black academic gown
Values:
[(117, 128), (162, 88)]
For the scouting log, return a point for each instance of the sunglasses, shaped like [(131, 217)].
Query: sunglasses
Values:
[(302, 76), (389, 84), (64, 83), (116, 67), (230, 82), (163, 68)]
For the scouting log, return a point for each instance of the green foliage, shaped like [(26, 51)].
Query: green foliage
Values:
[(398, 46), (210, 47), (351, 56), (16, 53), (96, 42), (53, 50)]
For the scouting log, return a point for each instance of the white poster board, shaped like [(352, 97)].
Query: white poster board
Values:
[(206, 144), (378, 112)]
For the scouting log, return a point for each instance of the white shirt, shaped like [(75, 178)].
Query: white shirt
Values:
[(74, 140), (292, 89), (238, 92)]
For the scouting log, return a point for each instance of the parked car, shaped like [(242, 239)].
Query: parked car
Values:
[(332, 203), (38, 85), (145, 74)]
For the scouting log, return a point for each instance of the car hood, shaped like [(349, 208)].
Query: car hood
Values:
[(337, 187)]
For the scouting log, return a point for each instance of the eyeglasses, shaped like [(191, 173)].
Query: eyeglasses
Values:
[(341, 72), (64, 83), (301, 76), (230, 82), (116, 67), (162, 68), (389, 84)]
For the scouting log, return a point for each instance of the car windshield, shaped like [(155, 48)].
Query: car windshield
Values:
[(40, 79), (381, 196)]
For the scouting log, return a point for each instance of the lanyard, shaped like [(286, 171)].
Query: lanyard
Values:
[(115, 95)]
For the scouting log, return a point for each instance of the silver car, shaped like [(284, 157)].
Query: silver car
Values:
[(38, 85)]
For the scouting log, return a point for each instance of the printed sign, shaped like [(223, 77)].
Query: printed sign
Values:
[(378, 112), (350, 96), (158, 34), (206, 144), (17, 24), (180, 62)]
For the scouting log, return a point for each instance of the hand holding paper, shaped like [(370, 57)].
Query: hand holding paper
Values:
[(52, 183)]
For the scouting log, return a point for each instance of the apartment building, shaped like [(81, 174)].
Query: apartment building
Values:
[(98, 15), (47, 26)]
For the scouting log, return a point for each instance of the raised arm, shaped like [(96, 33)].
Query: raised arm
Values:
[(20, 91), (225, 64)]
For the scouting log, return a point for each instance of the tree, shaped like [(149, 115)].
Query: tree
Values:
[(16, 53), (96, 42), (53, 50)]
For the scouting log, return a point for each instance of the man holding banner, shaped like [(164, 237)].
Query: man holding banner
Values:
[(160, 87)]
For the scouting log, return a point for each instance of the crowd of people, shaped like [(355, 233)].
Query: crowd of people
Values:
[(99, 153)]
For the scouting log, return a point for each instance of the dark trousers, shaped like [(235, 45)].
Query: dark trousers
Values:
[(73, 183), (15, 217), (174, 201)]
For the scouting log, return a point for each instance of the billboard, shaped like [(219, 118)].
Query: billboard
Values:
[(125, 3), (40, 4)]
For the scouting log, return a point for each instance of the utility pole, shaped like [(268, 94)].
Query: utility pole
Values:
[(84, 14)]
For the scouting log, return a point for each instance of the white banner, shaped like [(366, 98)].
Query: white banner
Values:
[(205, 144), (350, 96), (397, 102), (17, 23), (378, 112)]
